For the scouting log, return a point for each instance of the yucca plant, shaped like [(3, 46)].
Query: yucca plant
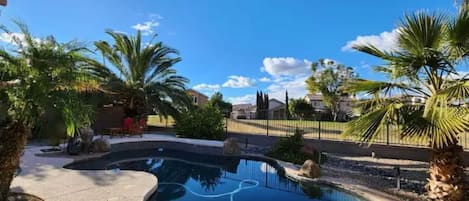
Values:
[(146, 80), (39, 77), (423, 66)]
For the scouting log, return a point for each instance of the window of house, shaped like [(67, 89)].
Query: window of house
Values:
[(194, 99)]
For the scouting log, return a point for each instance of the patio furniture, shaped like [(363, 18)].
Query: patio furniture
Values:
[(139, 128), (126, 128)]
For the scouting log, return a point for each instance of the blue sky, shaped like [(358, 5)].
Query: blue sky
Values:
[(234, 46)]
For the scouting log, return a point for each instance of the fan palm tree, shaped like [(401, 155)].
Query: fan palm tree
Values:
[(40, 76), (147, 80), (430, 45)]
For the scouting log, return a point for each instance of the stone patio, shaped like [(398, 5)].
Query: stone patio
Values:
[(44, 176)]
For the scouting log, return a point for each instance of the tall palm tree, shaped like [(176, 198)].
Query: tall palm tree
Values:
[(40, 76), (147, 80), (430, 45)]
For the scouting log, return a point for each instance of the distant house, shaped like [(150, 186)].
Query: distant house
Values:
[(316, 100), (248, 111), (276, 109), (197, 97), (243, 111)]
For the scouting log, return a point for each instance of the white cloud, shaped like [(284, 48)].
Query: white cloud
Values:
[(385, 41), (246, 99), (296, 87), (281, 66), (146, 28), (15, 38), (235, 81), (459, 75), (207, 87), (156, 16), (265, 79)]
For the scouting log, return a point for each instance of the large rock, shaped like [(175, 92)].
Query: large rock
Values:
[(231, 147), (87, 135), (310, 169), (101, 145)]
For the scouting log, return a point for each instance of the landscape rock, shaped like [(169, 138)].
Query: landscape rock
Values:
[(101, 145), (231, 147), (87, 135), (310, 169)]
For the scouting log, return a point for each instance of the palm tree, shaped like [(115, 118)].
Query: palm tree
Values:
[(40, 76), (147, 80), (430, 45)]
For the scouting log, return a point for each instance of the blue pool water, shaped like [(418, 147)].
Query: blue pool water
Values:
[(185, 176)]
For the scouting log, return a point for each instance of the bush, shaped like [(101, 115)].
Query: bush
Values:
[(201, 122), (290, 149)]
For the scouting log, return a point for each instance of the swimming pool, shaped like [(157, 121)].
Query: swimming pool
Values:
[(186, 176)]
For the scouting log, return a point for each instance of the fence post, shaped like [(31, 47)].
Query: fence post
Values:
[(267, 117), (226, 127), (319, 130), (387, 133)]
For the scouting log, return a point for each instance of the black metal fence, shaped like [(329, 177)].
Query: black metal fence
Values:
[(322, 130)]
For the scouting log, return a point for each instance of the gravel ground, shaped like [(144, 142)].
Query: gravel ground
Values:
[(377, 173), (381, 173)]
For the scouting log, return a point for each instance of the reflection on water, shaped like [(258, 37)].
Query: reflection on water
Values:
[(225, 180)]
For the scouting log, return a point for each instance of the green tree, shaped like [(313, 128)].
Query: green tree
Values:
[(430, 45), (39, 77), (217, 101), (147, 80), (262, 105), (329, 79), (301, 109), (204, 122)]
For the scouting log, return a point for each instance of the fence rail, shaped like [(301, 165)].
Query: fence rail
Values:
[(322, 130)]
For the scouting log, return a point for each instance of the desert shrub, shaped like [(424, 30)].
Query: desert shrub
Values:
[(200, 122), (290, 149)]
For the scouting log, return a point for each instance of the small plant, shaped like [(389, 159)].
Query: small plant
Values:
[(201, 122), (290, 149)]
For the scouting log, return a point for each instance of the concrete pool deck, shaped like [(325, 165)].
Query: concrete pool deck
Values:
[(45, 176)]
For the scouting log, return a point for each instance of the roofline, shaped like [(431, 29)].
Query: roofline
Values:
[(198, 92)]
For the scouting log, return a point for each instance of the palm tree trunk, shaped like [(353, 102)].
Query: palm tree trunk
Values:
[(12, 142), (446, 182)]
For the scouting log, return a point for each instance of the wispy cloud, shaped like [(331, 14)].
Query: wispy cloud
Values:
[(246, 99), (15, 38), (236, 81), (265, 79), (385, 41), (147, 27), (207, 88)]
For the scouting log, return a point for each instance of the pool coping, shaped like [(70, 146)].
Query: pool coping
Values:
[(291, 170)]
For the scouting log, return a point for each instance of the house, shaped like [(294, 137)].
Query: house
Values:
[(277, 109), (316, 101), (197, 97), (248, 111), (243, 111)]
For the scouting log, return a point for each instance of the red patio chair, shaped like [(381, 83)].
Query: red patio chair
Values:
[(138, 129)]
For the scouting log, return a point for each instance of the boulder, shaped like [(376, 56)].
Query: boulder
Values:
[(100, 145), (87, 135), (231, 147), (310, 169)]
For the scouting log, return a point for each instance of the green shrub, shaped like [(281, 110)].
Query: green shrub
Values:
[(290, 149), (201, 122)]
